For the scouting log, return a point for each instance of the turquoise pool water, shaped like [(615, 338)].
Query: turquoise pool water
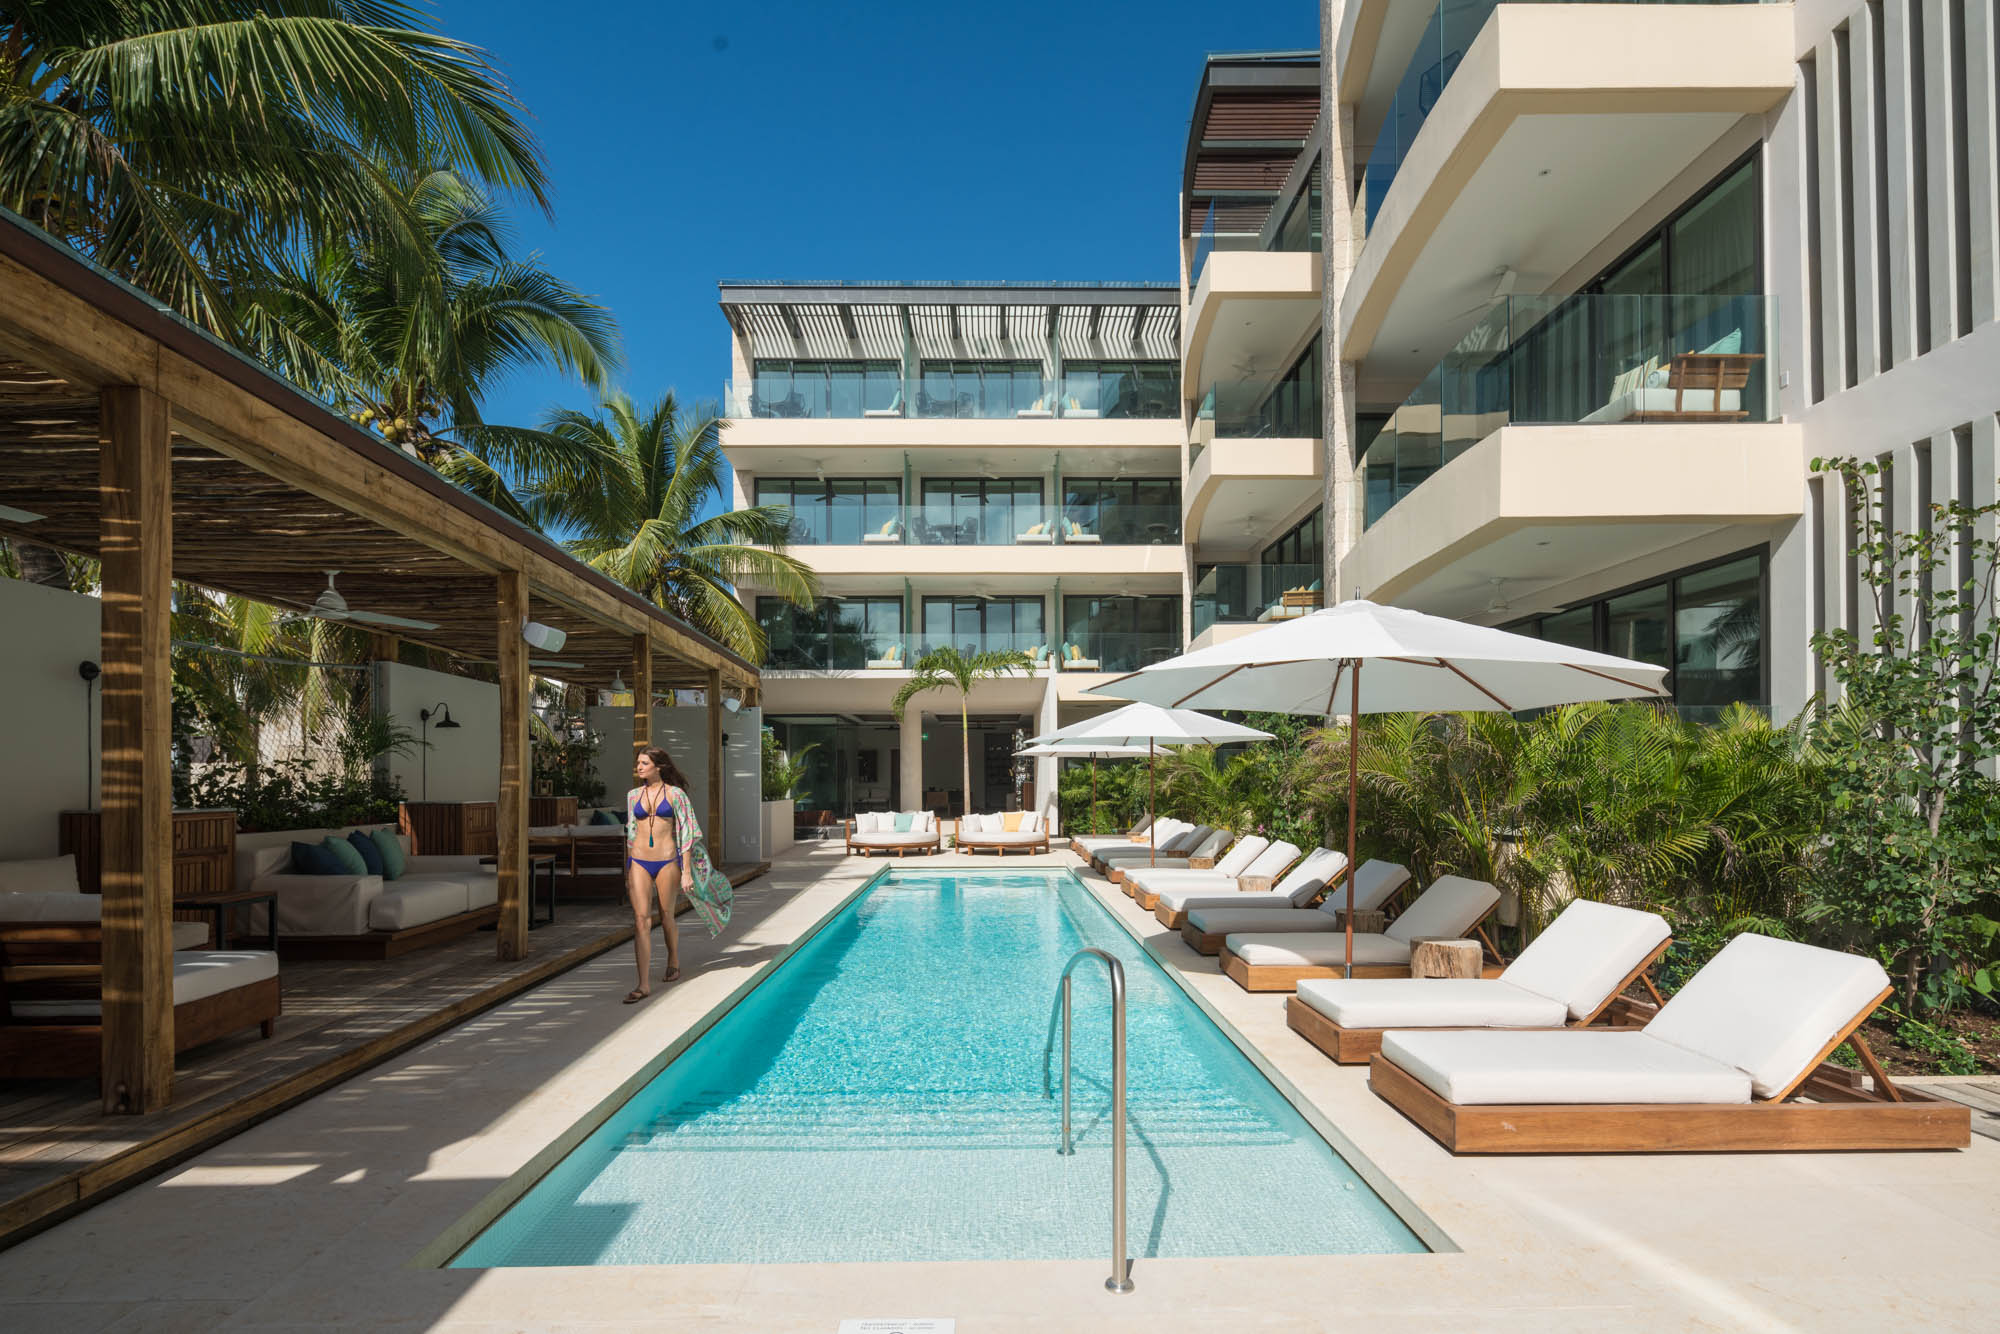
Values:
[(879, 1097)]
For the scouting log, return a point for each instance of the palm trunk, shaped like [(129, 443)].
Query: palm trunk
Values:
[(965, 751)]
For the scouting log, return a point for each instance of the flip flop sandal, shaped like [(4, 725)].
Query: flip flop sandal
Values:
[(634, 996)]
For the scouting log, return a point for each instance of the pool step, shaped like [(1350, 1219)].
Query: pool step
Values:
[(929, 1118)]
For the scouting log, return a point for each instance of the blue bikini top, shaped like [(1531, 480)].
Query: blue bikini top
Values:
[(639, 811)]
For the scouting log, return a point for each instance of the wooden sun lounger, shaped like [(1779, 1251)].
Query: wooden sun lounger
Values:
[(1356, 1046), (1286, 977), (1841, 1115), (1211, 943)]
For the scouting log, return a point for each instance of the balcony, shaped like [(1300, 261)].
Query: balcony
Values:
[(1523, 134), (1258, 453), (1561, 438), (1085, 650), (1250, 310), (1250, 595)]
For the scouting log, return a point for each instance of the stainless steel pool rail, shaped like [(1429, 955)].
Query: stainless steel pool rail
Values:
[(1121, 1264)]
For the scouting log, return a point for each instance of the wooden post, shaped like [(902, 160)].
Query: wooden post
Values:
[(512, 833), (642, 694), (136, 500), (384, 647), (713, 826)]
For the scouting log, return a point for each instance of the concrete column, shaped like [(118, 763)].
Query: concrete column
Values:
[(911, 744), (1047, 768), (1340, 515)]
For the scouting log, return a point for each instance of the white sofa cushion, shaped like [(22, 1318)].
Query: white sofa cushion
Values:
[(418, 901), (1585, 952), (197, 974), (1031, 822), (894, 840), (1451, 907), (1310, 875), (1011, 839), (319, 905), (1445, 1002), (1316, 949), (1659, 398), (50, 906), (40, 875), (1768, 1007), (482, 891), (1469, 1067)]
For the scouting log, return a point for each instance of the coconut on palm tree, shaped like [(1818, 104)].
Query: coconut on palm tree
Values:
[(654, 516), (408, 338), (949, 667)]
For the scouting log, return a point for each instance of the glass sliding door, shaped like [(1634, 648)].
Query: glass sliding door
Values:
[(982, 624), (1120, 633), (837, 511), (978, 511)]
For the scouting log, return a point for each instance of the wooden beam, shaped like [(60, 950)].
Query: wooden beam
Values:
[(511, 613), (384, 647), (136, 495), (713, 825), (642, 694)]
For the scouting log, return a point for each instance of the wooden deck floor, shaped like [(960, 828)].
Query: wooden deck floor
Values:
[(59, 1152)]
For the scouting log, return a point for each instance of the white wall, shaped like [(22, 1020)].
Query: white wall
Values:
[(683, 731), (464, 762), (49, 742)]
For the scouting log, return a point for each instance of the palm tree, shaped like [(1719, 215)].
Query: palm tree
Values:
[(948, 666), (638, 517), (183, 144), (409, 338)]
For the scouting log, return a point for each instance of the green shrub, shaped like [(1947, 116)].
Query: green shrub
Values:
[(267, 798)]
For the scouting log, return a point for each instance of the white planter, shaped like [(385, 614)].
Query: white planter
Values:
[(777, 827)]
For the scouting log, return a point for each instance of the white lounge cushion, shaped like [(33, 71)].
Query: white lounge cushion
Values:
[(197, 974), (1768, 1007), (417, 902), (1586, 951), (1159, 879), (1272, 862), (1181, 846), (39, 875), (1316, 949), (1310, 875), (1191, 899), (1255, 918), (1659, 398), (1449, 1002), (1374, 885), (1243, 852), (1451, 907), (1470, 1067)]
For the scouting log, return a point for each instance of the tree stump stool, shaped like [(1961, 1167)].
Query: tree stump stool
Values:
[(1369, 920), (1431, 956), (1255, 884)]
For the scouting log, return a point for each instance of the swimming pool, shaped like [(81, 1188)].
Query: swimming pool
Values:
[(880, 1097)]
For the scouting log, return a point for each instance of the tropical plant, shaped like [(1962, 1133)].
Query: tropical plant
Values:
[(1913, 828), (783, 772), (640, 518), (1210, 787), (949, 667), (287, 798), (408, 337), (183, 144), (565, 763)]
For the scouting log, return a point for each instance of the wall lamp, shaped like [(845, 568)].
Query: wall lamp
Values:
[(442, 712)]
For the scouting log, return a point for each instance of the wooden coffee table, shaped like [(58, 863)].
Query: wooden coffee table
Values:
[(222, 904)]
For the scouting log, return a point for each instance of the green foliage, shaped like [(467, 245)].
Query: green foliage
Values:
[(782, 772), (269, 798), (948, 668), (1121, 796), (1912, 844), (565, 761), (1947, 1052)]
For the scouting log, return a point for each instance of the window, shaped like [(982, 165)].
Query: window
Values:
[(977, 511), (1122, 634), (1303, 544), (979, 624), (1121, 389), (1301, 228), (838, 511), (842, 634), (785, 388), (1122, 511), (981, 389)]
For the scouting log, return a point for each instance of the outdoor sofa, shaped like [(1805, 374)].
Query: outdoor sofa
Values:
[(1571, 975), (1206, 925), (898, 832), (44, 889), (1450, 909), (1000, 834), (437, 898), (1733, 1063)]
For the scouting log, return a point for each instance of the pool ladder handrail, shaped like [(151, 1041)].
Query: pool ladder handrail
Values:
[(1121, 1264)]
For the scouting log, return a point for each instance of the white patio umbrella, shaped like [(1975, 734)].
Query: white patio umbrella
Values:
[(1150, 724), (1415, 663), (1087, 751)]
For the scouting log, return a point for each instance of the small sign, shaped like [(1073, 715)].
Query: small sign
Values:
[(878, 1325)]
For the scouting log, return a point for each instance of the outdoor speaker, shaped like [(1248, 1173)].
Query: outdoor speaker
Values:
[(544, 637)]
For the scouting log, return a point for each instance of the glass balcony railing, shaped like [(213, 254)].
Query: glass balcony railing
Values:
[(843, 652), (1258, 409), (1453, 26), (1152, 395), (1597, 359), (1115, 650), (1121, 525), (1250, 594), (1028, 523)]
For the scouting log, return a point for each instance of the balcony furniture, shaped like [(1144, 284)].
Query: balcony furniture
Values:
[(1158, 533), (44, 889), (552, 810), (895, 408), (791, 405), (223, 908), (890, 661), (204, 849), (452, 828), (51, 1010), (1074, 661), (437, 898), (1074, 532), (1000, 834), (1040, 534), (905, 832), (890, 533), (1692, 387)]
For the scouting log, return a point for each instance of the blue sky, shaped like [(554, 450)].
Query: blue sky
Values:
[(691, 143)]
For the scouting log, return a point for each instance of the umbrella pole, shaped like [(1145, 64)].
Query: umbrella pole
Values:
[(1152, 816), (1353, 795)]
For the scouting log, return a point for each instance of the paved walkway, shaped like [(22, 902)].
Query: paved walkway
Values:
[(313, 1219)]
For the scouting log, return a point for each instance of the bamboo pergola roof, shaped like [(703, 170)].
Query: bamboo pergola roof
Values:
[(271, 489)]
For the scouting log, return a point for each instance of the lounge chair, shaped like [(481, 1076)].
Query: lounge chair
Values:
[(1278, 961), (892, 660), (1228, 861), (1083, 844), (1167, 835), (1718, 1069), (1206, 927), (1573, 974), (1072, 659), (1269, 864), (1202, 839), (1301, 885)]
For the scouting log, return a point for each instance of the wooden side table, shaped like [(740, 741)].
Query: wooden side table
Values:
[(1440, 956), (1369, 920), (1255, 884), (222, 908)]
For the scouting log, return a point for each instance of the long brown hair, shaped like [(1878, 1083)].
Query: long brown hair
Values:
[(670, 773)]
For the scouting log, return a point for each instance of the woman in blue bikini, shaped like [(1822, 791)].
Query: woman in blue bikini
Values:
[(656, 860)]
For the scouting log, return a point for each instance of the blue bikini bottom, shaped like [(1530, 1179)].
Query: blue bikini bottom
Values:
[(654, 868)]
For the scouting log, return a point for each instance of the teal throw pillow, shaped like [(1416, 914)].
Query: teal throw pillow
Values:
[(346, 855), (393, 862), (1728, 345), (904, 821)]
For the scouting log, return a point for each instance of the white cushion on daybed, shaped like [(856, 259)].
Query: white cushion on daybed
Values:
[(1585, 952), (1469, 1067), (417, 902), (75, 906), (1451, 907), (892, 839), (482, 891), (197, 974), (1316, 949), (1396, 1002), (40, 875), (1768, 1007), (1006, 838), (1658, 398)]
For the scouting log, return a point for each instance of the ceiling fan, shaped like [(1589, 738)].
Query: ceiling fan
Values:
[(331, 606)]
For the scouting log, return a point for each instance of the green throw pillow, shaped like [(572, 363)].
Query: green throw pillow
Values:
[(904, 821), (393, 863), (604, 817), (346, 854)]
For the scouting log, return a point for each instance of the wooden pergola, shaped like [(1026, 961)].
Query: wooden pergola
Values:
[(163, 453)]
